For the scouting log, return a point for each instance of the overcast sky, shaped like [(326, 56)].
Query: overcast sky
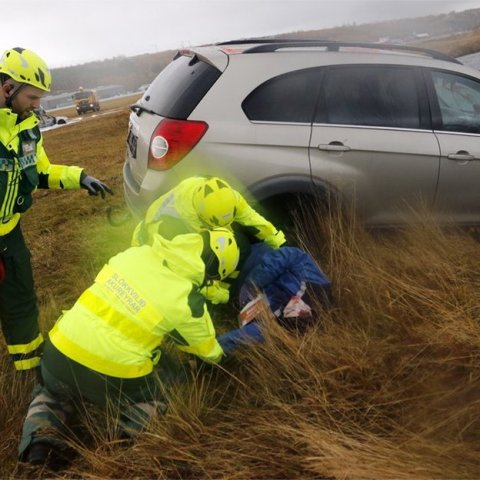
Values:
[(69, 32)]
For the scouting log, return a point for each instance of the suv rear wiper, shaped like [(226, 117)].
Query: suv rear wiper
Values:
[(138, 109)]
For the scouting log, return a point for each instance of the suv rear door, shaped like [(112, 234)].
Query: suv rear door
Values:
[(280, 111), (174, 94), (455, 102), (372, 140)]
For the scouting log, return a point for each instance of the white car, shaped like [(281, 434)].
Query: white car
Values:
[(47, 120), (381, 127)]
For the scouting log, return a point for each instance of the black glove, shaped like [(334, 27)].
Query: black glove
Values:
[(93, 185)]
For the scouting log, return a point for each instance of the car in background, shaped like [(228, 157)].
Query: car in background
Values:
[(46, 120), (381, 127), (86, 100)]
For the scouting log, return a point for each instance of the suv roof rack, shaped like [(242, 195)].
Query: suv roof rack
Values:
[(262, 45)]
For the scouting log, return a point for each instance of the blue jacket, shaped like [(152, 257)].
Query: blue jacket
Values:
[(279, 273)]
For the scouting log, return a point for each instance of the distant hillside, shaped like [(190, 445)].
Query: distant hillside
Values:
[(130, 72), (453, 33), (404, 30)]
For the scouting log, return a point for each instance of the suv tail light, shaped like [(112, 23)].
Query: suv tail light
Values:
[(172, 140)]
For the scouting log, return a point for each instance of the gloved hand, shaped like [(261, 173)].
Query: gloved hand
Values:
[(216, 293), (276, 240), (93, 185)]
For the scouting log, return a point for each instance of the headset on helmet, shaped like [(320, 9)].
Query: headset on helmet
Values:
[(25, 66), (220, 253), (215, 202)]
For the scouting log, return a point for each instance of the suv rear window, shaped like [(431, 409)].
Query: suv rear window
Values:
[(287, 98), (179, 87), (372, 96)]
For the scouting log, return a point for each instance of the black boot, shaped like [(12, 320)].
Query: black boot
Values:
[(40, 453), (44, 453)]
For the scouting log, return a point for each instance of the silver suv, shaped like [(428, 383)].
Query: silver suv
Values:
[(380, 126)]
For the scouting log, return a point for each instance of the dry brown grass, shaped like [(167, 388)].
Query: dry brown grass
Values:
[(64, 225), (386, 386), (455, 45)]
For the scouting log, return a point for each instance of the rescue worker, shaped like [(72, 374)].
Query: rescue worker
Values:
[(105, 348), (24, 167), (205, 202)]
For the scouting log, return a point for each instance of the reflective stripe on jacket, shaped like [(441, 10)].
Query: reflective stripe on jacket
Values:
[(144, 293), (24, 167), (178, 203)]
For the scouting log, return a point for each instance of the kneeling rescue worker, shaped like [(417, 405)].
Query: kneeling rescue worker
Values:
[(205, 202), (105, 348)]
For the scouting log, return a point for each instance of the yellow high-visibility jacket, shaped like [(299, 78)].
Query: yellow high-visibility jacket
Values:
[(117, 325), (178, 203), (24, 167)]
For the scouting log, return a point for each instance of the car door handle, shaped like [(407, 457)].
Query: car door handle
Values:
[(461, 156), (334, 147)]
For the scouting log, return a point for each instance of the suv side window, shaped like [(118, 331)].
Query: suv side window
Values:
[(179, 87), (371, 95), (459, 102), (287, 98)]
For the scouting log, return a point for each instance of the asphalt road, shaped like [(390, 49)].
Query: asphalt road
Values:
[(85, 117)]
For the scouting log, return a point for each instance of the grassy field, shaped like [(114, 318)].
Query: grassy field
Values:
[(456, 45), (386, 386)]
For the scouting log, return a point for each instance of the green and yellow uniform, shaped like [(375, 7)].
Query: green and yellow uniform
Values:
[(174, 213), (105, 348), (24, 167), (117, 325), (178, 204)]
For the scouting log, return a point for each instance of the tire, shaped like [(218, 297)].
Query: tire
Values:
[(300, 215)]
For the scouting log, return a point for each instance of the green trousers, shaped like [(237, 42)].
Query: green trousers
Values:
[(18, 303), (69, 386)]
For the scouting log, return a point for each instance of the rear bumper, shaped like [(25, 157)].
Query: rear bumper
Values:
[(131, 192), (139, 197)]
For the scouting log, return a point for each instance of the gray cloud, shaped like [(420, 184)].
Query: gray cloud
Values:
[(67, 32)]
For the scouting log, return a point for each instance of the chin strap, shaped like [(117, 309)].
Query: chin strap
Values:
[(13, 91), (12, 94)]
